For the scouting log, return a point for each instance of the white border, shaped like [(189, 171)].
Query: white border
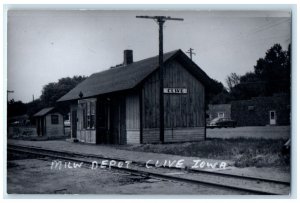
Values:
[(245, 6)]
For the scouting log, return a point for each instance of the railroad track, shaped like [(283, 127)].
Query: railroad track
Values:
[(246, 184)]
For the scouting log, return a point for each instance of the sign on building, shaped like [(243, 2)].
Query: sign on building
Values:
[(175, 90)]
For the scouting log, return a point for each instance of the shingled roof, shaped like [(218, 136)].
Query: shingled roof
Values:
[(44, 111), (123, 77)]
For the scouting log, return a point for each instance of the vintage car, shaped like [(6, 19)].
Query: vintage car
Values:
[(222, 122)]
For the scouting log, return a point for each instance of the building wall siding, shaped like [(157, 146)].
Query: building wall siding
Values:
[(184, 134), (117, 120), (181, 110), (133, 136), (258, 115), (87, 136), (151, 135), (132, 119), (54, 129)]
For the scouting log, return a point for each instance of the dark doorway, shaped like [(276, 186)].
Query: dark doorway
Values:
[(115, 122), (74, 124), (103, 121), (41, 126), (38, 127)]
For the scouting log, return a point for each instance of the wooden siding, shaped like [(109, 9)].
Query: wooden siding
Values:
[(54, 129), (151, 135), (117, 120), (181, 110), (132, 119), (133, 136), (184, 134), (87, 136)]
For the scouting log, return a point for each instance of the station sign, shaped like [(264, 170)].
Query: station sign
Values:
[(175, 90)]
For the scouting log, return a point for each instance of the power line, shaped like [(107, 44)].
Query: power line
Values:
[(161, 20)]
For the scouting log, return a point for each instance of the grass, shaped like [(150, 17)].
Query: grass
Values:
[(244, 152)]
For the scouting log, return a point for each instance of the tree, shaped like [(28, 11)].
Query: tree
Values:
[(214, 92), (15, 108), (221, 98), (249, 86), (33, 107), (271, 75), (55, 90), (232, 80), (51, 93), (275, 70)]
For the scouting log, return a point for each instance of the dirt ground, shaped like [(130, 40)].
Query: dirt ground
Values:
[(35, 176)]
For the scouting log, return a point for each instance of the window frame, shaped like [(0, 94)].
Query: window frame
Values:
[(219, 113), (88, 109), (53, 121)]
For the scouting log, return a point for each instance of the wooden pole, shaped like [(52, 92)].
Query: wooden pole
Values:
[(161, 20), (161, 84)]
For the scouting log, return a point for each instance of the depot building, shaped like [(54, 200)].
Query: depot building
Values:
[(121, 105)]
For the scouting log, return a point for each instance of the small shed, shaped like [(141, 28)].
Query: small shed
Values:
[(121, 105), (49, 122)]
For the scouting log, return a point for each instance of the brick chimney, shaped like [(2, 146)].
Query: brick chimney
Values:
[(128, 57)]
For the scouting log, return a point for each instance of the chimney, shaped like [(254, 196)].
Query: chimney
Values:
[(128, 57)]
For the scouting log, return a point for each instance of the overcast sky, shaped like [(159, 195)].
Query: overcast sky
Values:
[(44, 46)]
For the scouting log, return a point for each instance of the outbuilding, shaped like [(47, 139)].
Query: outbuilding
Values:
[(261, 111), (218, 111), (121, 105), (49, 122)]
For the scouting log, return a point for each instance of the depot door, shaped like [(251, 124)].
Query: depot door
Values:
[(74, 123), (272, 115), (103, 121)]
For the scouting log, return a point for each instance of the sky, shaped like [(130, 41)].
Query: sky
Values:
[(44, 46)]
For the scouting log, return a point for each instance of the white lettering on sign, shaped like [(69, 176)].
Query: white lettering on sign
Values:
[(175, 90)]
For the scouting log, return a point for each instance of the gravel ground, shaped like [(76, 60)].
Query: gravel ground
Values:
[(34, 176), (266, 132)]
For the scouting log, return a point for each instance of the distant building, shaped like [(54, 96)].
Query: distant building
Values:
[(261, 111), (49, 123), (121, 105), (21, 120), (218, 111)]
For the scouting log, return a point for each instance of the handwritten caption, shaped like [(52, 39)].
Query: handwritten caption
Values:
[(181, 163)]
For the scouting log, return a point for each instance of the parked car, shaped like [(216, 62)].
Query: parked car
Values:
[(67, 123), (222, 122)]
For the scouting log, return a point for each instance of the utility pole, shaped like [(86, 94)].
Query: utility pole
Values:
[(161, 20), (190, 51), (9, 92)]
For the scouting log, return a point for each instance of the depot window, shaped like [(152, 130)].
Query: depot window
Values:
[(54, 119), (88, 114)]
